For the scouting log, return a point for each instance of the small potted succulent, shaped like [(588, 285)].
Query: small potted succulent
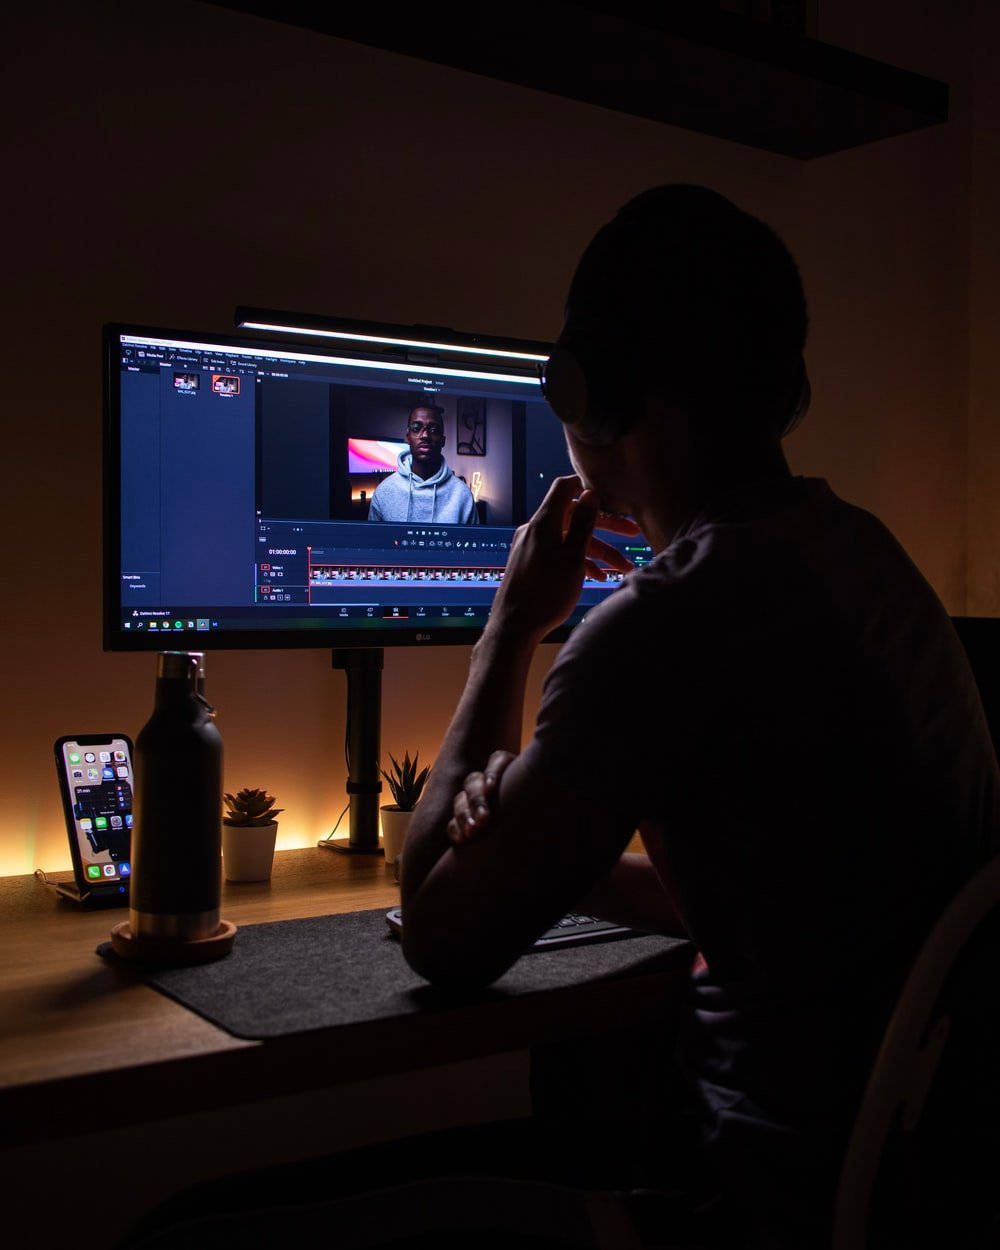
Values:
[(249, 829), (406, 785)]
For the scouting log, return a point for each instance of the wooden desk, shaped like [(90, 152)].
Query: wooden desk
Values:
[(91, 1058), (67, 1015)]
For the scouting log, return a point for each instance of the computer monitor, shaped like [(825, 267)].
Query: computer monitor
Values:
[(241, 470)]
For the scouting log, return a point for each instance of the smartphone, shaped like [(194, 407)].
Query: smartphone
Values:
[(95, 779)]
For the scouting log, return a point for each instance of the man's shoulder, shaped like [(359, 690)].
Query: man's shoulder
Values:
[(619, 624), (789, 540)]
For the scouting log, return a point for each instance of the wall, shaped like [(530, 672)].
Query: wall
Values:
[(171, 163), (984, 397)]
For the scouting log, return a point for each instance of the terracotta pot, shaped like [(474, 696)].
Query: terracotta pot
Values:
[(394, 826), (248, 851)]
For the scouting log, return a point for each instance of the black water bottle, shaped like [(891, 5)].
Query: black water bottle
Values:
[(176, 841)]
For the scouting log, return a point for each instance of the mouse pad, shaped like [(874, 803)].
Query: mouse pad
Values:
[(295, 975)]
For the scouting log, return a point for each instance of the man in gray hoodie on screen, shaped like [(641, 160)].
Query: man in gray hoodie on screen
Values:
[(424, 488)]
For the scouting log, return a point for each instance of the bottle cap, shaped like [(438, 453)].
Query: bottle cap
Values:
[(176, 664)]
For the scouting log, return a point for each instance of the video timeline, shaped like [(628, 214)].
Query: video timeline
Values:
[(330, 575), (342, 574)]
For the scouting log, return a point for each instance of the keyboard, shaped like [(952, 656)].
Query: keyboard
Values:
[(572, 930)]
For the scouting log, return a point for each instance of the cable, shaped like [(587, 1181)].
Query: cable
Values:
[(336, 826), (347, 761)]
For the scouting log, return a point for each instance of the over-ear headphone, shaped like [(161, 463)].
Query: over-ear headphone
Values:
[(599, 409), (571, 394)]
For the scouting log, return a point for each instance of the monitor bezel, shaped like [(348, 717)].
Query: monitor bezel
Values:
[(116, 638)]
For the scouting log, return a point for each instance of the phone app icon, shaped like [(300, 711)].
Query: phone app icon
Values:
[(100, 822), (74, 757), (90, 757), (93, 774), (128, 820), (109, 870), (77, 774), (125, 868), (108, 774), (116, 822), (120, 757), (121, 770), (86, 824), (105, 757), (93, 872)]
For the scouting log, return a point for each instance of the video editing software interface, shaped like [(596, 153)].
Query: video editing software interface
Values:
[(271, 487)]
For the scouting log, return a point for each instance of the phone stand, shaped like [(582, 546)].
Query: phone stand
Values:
[(90, 899)]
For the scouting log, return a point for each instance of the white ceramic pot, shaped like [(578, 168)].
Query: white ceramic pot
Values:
[(248, 851), (394, 826)]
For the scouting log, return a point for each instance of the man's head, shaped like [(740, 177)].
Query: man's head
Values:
[(686, 298), (425, 435)]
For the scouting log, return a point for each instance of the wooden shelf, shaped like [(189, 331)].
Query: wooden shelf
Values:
[(698, 68)]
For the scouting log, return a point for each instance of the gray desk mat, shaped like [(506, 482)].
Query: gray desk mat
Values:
[(292, 976)]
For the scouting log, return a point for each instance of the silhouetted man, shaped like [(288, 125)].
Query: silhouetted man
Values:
[(777, 702), (423, 487)]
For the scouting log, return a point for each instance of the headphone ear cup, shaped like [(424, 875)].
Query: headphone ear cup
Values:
[(570, 396)]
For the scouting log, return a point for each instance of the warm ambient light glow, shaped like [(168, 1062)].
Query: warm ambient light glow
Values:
[(18, 861), (297, 839), (379, 338)]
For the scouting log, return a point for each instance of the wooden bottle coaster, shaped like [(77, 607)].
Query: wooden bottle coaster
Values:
[(176, 952)]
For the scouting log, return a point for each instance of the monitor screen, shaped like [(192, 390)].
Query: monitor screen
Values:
[(265, 493)]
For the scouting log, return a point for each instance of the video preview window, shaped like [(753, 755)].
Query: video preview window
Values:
[(354, 453)]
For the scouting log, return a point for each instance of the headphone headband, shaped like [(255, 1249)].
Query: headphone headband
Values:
[(574, 396)]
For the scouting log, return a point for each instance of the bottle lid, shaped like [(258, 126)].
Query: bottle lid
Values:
[(177, 664)]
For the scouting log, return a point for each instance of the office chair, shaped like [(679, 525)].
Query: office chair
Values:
[(943, 1186)]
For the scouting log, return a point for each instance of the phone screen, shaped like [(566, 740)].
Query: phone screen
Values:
[(99, 789)]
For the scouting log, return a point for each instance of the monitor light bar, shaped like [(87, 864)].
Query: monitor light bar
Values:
[(393, 342), (524, 352)]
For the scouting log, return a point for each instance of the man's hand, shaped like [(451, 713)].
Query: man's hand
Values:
[(472, 806), (551, 555)]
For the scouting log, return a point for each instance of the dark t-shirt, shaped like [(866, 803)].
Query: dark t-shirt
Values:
[(785, 702)]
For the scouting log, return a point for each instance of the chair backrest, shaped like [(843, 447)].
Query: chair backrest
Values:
[(980, 636), (910, 1053)]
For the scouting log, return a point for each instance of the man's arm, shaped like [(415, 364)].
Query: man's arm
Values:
[(633, 894), (488, 717), (471, 910), (637, 891)]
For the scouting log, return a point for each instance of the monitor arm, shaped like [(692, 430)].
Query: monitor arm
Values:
[(363, 667)]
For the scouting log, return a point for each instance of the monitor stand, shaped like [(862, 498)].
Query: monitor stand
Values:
[(364, 726)]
